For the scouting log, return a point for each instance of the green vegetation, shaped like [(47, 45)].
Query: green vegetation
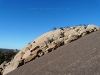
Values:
[(61, 28), (2, 57), (7, 54), (54, 28)]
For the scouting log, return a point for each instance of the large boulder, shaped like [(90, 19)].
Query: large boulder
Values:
[(79, 28), (73, 37), (57, 43), (26, 54), (13, 65), (58, 34), (92, 27), (71, 32), (29, 58), (67, 41), (19, 55), (2, 66)]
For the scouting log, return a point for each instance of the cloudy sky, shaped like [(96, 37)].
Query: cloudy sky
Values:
[(21, 21)]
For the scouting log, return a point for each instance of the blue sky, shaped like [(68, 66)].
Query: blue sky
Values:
[(22, 21)]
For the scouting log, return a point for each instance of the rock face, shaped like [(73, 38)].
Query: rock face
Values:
[(81, 57), (46, 43)]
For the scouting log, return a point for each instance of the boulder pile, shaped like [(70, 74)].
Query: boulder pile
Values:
[(46, 43)]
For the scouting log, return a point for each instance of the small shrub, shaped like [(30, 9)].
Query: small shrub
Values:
[(67, 27), (54, 28), (79, 25), (62, 34), (49, 40), (84, 25), (61, 28)]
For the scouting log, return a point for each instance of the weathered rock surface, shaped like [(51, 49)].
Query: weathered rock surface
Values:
[(46, 43), (12, 66), (81, 57)]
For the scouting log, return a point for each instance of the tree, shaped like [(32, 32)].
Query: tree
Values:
[(2, 57)]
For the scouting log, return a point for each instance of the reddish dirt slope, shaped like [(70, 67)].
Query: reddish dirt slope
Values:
[(81, 57)]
